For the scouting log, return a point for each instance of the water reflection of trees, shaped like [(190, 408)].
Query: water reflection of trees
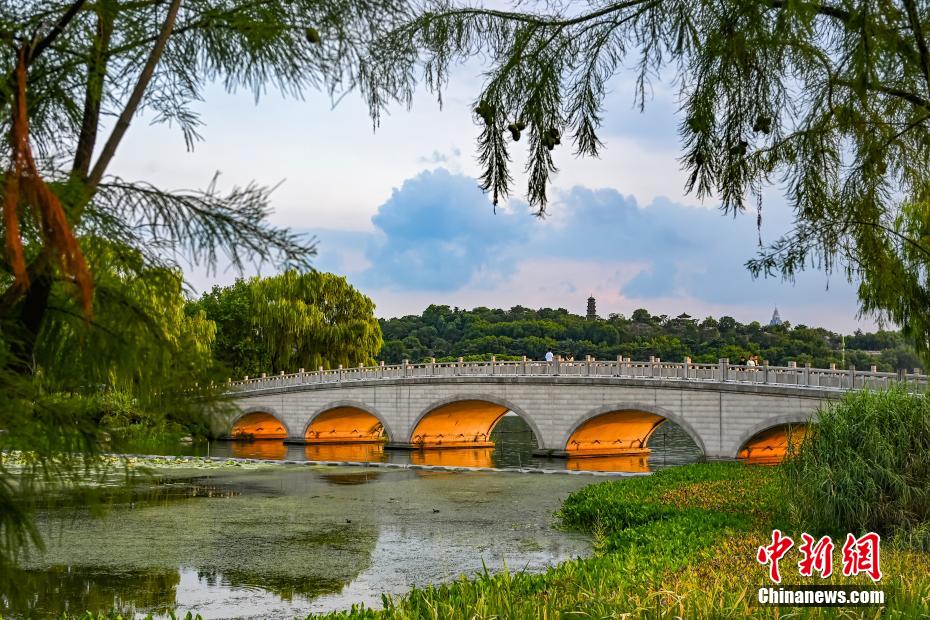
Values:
[(59, 589), (271, 521), (285, 587), (135, 492)]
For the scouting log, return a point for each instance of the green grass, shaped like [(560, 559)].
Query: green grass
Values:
[(682, 542)]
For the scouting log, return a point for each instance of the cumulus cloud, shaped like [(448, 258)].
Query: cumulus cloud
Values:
[(437, 239), (442, 157), (436, 232)]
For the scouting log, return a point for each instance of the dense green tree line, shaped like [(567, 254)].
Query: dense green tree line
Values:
[(824, 102), (444, 332)]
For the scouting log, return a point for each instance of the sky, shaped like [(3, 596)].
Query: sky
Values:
[(398, 210)]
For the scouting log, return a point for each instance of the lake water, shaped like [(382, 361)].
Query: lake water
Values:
[(271, 541), (279, 542)]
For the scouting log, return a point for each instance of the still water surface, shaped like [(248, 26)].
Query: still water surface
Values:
[(280, 542)]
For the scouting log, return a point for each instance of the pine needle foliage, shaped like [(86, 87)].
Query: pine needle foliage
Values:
[(140, 343), (828, 101)]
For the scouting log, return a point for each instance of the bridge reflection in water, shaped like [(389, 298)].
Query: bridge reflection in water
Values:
[(628, 463), (454, 457), (363, 452), (258, 449)]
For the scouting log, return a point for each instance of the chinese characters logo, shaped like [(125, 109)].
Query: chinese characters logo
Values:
[(859, 555)]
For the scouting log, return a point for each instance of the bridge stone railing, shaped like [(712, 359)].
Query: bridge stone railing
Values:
[(621, 368)]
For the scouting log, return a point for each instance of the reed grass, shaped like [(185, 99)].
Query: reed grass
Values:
[(865, 466)]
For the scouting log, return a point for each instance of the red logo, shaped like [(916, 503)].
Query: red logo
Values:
[(860, 555), (817, 556), (771, 554)]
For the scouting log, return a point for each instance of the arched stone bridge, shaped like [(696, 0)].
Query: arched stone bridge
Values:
[(587, 408)]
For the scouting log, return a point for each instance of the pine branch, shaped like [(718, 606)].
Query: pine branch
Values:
[(132, 104), (96, 77), (917, 29), (56, 31), (197, 225)]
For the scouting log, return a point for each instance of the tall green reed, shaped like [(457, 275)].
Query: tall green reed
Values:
[(865, 466)]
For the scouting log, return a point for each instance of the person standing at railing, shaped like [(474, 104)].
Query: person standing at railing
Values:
[(751, 362), (549, 356)]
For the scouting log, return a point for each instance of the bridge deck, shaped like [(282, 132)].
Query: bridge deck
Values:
[(621, 369)]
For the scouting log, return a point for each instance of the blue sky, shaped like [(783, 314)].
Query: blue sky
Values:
[(398, 210)]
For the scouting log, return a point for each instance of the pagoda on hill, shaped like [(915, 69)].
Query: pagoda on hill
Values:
[(592, 309), (776, 319)]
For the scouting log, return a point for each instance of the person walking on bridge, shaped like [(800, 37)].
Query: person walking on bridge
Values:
[(549, 356)]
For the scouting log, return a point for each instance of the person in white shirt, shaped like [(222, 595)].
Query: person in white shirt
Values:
[(751, 362), (549, 356)]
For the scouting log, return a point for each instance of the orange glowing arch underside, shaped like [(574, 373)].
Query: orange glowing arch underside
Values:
[(345, 425), (614, 433), (259, 425), (465, 423), (771, 445)]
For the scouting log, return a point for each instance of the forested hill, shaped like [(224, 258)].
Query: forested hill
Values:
[(448, 333)]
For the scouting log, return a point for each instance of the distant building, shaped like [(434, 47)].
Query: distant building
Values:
[(776, 319), (592, 309), (683, 319)]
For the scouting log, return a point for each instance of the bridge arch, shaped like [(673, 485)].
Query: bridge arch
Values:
[(654, 410), (487, 420), (254, 418), (349, 404), (770, 424)]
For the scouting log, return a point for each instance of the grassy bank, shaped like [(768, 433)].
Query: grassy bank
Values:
[(681, 543), (678, 544)]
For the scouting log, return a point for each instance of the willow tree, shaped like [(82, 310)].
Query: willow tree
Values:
[(75, 76), (312, 320), (830, 100)]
